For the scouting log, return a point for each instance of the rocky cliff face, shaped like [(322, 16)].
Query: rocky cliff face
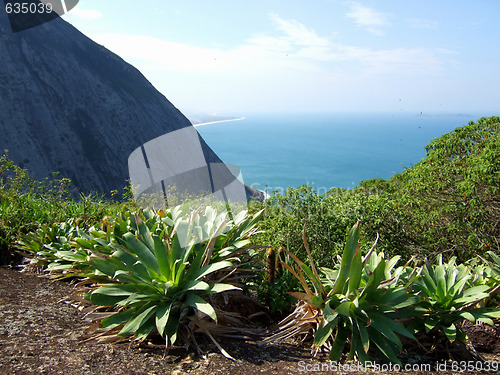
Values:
[(69, 105)]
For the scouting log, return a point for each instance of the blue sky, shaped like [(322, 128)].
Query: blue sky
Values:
[(242, 56)]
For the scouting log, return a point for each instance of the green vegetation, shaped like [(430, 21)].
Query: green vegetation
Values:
[(151, 270), (448, 203), (450, 295), (27, 205), (145, 272), (453, 195), (360, 304)]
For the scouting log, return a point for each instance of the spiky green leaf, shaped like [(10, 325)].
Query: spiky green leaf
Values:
[(200, 304)]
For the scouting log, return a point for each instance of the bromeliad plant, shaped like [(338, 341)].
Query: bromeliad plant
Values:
[(355, 305), (159, 273), (150, 271), (360, 305), (450, 296), (54, 250)]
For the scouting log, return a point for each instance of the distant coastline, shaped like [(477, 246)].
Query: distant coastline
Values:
[(218, 121)]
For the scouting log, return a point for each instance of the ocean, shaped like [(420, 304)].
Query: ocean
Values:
[(278, 151)]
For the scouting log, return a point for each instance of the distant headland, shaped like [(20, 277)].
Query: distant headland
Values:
[(199, 119), (217, 121)]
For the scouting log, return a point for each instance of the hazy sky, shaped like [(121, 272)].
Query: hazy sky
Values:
[(242, 56)]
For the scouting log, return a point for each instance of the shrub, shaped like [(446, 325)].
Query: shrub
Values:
[(358, 302), (27, 205), (359, 305), (448, 203), (452, 197), (327, 217), (154, 270)]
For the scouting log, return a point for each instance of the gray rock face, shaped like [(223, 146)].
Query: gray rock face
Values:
[(69, 105)]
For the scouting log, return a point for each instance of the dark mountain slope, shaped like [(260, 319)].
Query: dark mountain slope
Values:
[(69, 105)]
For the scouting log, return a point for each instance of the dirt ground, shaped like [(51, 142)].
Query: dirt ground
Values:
[(39, 334)]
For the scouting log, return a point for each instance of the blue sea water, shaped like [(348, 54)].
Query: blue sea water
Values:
[(278, 151)]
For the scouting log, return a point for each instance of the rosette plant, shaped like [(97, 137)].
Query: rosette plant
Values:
[(450, 297), (354, 307), (162, 268), (53, 249)]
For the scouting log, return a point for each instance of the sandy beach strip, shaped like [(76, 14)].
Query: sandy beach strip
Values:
[(216, 122)]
